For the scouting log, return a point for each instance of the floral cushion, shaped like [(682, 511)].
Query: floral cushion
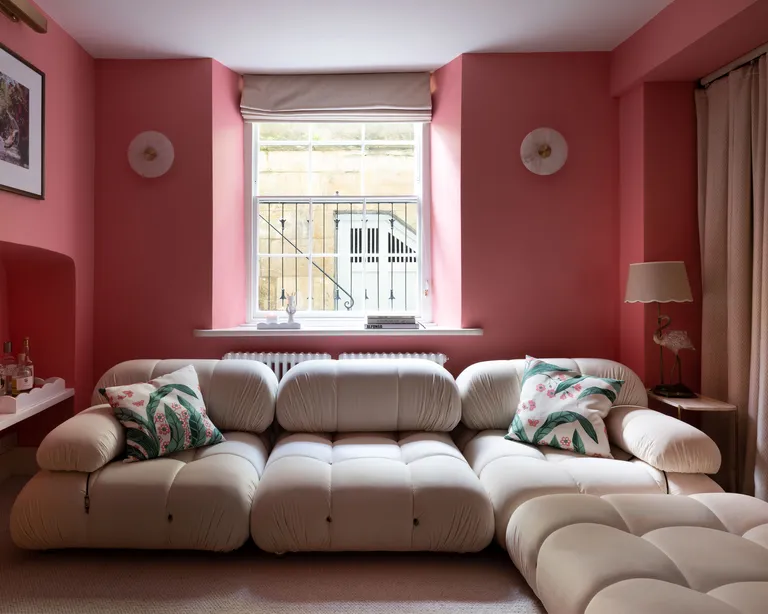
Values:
[(163, 416), (563, 409)]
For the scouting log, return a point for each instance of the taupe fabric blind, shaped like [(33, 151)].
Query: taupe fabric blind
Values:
[(385, 97)]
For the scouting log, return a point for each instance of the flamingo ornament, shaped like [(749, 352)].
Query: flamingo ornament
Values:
[(674, 341)]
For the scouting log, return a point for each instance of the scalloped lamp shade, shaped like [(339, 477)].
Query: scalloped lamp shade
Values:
[(658, 282)]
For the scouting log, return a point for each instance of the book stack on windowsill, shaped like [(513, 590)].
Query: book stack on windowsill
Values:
[(391, 322)]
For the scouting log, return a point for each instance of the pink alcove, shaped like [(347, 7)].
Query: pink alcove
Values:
[(37, 300)]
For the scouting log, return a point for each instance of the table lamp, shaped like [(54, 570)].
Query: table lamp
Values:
[(663, 282)]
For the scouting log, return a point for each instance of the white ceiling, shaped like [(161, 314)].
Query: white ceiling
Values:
[(252, 36)]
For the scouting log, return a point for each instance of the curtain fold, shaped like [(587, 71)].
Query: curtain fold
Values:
[(389, 97), (733, 170)]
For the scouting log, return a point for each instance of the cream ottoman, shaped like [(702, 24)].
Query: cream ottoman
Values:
[(635, 554)]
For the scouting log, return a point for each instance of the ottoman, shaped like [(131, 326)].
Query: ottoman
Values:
[(633, 554)]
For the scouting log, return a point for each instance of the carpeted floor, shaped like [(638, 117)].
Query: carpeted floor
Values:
[(251, 581)]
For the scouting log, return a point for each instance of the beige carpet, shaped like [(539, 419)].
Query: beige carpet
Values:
[(252, 581)]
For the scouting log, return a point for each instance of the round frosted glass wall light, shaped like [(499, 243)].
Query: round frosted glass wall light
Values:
[(544, 151), (151, 154)]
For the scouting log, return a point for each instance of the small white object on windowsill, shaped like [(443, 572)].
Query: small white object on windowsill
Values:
[(272, 322), (51, 388)]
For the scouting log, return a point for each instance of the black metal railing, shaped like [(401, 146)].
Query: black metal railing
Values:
[(380, 249)]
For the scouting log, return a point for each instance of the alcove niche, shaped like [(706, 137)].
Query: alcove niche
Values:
[(37, 300)]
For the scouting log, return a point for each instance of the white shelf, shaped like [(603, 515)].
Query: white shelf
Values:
[(252, 331), (31, 404)]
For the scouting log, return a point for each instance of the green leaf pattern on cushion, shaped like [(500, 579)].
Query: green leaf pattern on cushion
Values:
[(578, 444), (610, 394), (162, 418), (564, 417), (563, 409), (537, 367), (518, 430), (570, 382)]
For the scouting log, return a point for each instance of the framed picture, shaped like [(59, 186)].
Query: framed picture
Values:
[(22, 127)]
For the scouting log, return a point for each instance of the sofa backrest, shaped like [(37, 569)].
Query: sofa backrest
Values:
[(239, 395), (490, 391), (368, 396)]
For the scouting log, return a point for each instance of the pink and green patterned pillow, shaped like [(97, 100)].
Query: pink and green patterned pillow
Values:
[(563, 409), (163, 416)]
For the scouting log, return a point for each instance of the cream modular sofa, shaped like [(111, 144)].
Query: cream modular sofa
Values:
[(640, 554), (653, 453), (368, 458), (197, 499), (367, 463)]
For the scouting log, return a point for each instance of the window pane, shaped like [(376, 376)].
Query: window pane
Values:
[(279, 277), (389, 132), (284, 132), (336, 170), (283, 228), (337, 132), (283, 170), (390, 170), (327, 295)]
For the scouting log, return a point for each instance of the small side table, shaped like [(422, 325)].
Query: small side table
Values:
[(704, 404)]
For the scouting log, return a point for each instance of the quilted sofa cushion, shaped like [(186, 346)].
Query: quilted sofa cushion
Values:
[(239, 395), (368, 395), (370, 491), (512, 473), (644, 553), (490, 391), (196, 499)]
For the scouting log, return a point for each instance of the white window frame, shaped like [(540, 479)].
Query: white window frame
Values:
[(336, 318)]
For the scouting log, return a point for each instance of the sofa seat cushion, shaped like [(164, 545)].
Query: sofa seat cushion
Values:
[(196, 499), (643, 553), (513, 472), (370, 491)]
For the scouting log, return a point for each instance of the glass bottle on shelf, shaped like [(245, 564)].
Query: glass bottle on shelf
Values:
[(25, 350), (22, 379), (7, 368)]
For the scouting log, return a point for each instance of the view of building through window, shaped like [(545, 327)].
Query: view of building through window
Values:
[(337, 213)]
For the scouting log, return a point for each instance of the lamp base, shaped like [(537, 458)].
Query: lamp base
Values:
[(674, 391)]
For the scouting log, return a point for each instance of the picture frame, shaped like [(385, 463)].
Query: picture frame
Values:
[(22, 126)]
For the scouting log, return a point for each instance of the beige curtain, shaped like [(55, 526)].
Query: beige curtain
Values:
[(733, 227)]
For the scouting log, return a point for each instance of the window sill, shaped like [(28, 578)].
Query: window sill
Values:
[(341, 331)]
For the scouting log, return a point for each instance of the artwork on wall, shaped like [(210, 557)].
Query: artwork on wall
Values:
[(22, 109)]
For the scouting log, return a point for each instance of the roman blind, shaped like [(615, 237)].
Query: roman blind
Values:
[(384, 97)]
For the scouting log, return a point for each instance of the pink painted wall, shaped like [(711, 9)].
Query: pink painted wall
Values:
[(632, 333), (658, 208), (229, 286), (154, 236), (446, 160), (63, 222), (671, 214), (688, 40), (539, 254)]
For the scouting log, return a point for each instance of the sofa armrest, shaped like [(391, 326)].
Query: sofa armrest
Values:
[(662, 441), (85, 442)]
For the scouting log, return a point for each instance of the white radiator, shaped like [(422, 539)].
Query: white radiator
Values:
[(440, 359), (279, 362)]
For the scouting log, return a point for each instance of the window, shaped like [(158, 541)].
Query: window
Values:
[(338, 218)]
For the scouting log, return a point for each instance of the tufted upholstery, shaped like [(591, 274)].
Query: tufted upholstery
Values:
[(377, 491), (342, 480), (196, 499), (642, 553), (653, 453), (513, 472), (490, 391), (368, 395), (239, 394)]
